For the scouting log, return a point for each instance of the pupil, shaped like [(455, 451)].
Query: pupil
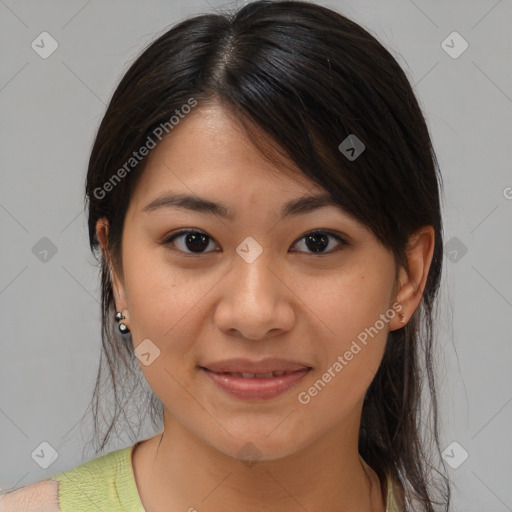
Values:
[(197, 241), (315, 239)]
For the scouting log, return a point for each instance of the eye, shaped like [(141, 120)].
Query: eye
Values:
[(196, 242), (317, 241), (193, 243)]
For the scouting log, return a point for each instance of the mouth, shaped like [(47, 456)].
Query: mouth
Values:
[(249, 385)]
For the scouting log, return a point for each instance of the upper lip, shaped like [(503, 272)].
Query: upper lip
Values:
[(241, 365)]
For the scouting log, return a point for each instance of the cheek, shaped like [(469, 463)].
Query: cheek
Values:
[(166, 309), (337, 386), (351, 302), (160, 297), (355, 312)]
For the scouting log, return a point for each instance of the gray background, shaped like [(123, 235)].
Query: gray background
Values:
[(49, 311)]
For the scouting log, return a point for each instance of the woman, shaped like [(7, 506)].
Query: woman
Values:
[(264, 197)]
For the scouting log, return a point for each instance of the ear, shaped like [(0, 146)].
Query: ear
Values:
[(419, 250), (117, 281)]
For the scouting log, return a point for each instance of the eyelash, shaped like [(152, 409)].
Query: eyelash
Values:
[(170, 240)]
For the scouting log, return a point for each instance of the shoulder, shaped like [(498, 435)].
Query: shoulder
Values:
[(41, 496), (96, 469), (94, 481), (104, 483)]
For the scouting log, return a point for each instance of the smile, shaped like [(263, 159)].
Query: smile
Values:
[(255, 386)]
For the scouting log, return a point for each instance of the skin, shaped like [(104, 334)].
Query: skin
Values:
[(290, 302)]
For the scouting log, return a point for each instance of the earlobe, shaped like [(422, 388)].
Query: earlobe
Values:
[(420, 249)]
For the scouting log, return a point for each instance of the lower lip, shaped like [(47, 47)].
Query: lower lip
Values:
[(256, 388)]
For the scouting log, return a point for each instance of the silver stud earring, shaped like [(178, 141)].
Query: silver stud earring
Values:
[(123, 328)]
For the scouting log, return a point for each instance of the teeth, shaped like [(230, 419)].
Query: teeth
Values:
[(247, 375), (260, 375)]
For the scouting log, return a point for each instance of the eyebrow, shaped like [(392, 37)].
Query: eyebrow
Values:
[(294, 207)]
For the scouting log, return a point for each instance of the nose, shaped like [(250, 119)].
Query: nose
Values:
[(256, 302)]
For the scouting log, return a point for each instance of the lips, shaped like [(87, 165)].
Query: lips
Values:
[(255, 380)]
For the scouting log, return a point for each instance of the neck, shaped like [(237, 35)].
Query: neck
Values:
[(176, 470)]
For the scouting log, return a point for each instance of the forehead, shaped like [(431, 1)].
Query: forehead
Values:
[(209, 153)]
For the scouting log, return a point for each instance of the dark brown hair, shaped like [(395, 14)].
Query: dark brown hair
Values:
[(305, 77)]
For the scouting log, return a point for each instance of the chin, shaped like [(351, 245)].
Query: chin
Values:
[(259, 447)]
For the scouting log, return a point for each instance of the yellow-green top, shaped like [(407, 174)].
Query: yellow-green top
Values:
[(104, 483)]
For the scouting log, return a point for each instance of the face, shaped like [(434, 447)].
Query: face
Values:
[(313, 288)]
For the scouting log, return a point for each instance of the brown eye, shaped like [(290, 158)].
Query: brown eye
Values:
[(192, 242), (318, 241)]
